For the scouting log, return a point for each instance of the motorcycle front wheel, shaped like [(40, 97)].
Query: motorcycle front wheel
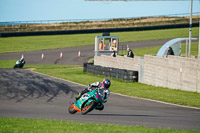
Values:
[(88, 107), (71, 109)]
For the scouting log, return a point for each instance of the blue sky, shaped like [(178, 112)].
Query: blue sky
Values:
[(28, 10)]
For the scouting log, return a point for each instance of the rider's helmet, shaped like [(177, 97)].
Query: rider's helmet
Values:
[(106, 83)]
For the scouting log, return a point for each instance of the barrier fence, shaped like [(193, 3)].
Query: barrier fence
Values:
[(123, 74)]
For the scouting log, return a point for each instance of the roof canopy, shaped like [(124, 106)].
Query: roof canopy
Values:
[(175, 44)]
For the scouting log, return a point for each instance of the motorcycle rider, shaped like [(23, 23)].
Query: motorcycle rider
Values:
[(103, 89)]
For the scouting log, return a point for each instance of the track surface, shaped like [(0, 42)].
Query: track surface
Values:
[(70, 55), (27, 94)]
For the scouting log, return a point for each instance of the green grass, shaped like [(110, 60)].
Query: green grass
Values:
[(16, 125), (7, 63), (155, 34), (194, 49), (31, 43)]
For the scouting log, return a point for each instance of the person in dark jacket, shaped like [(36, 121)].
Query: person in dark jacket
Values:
[(170, 51), (113, 53), (130, 53)]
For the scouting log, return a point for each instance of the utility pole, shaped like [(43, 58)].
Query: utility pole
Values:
[(190, 30), (199, 37)]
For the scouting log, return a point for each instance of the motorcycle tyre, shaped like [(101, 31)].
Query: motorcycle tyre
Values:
[(71, 109), (16, 66), (90, 107)]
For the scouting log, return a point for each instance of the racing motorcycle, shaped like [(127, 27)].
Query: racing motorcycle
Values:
[(87, 102), (19, 64)]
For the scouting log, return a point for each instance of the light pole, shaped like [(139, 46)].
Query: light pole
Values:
[(190, 30), (199, 37)]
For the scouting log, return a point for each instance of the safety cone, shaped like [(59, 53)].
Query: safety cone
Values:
[(79, 53), (61, 55), (42, 57)]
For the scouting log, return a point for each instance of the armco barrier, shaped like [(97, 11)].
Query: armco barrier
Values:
[(126, 75)]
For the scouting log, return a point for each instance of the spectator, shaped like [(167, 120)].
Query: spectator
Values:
[(113, 53), (170, 51), (101, 45), (114, 44), (130, 53)]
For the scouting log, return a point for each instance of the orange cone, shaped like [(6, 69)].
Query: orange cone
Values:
[(61, 55), (79, 53), (42, 57)]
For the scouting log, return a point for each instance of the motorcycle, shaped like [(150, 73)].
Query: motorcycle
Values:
[(87, 102), (19, 64)]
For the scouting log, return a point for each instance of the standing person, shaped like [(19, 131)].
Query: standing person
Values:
[(130, 53), (113, 53), (170, 51), (103, 89), (101, 45)]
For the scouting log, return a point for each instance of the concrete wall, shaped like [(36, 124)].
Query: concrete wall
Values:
[(173, 72), (120, 62)]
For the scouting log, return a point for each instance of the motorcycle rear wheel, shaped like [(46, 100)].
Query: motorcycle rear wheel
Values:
[(71, 109)]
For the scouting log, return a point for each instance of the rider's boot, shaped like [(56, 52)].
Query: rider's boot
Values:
[(80, 94)]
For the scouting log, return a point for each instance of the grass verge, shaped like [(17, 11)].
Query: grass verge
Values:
[(16, 125), (30, 43)]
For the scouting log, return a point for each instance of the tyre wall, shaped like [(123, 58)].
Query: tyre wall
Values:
[(120, 62), (126, 75)]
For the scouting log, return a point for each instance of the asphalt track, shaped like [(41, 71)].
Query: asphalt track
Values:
[(26, 94)]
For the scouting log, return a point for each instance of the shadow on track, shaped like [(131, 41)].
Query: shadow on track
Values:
[(123, 115), (20, 84)]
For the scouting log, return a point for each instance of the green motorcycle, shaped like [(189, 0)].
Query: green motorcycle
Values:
[(87, 102), (19, 64)]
